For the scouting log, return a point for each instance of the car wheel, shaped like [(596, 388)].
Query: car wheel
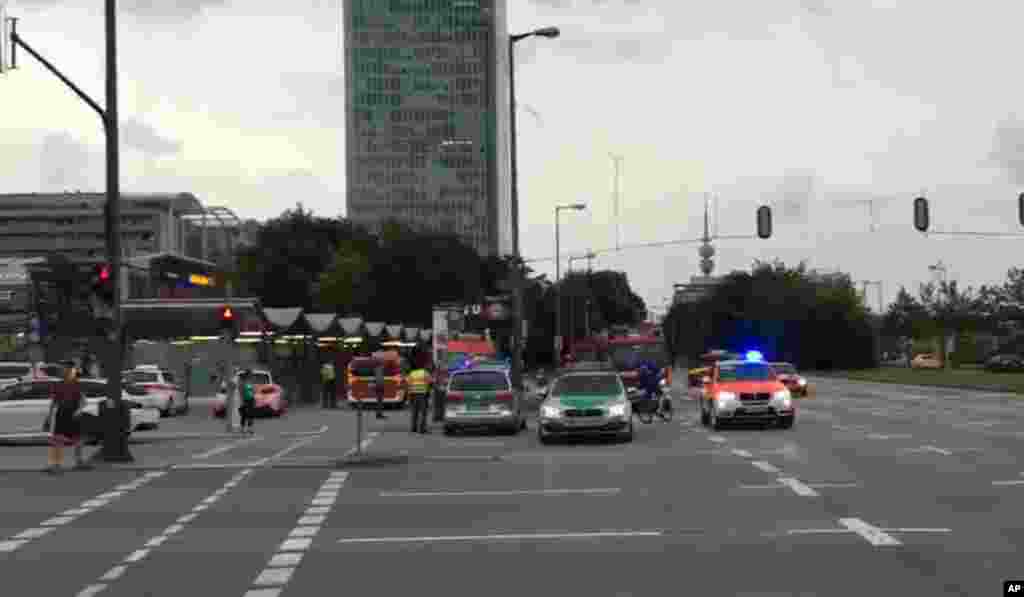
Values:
[(541, 437), (705, 418), (716, 423), (449, 430), (522, 424), (786, 422), (627, 437)]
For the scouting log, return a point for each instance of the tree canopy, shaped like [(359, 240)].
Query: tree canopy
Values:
[(784, 312), (399, 275)]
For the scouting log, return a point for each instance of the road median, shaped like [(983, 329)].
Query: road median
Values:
[(967, 379)]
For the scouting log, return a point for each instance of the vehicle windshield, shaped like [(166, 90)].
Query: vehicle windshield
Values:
[(784, 368), (629, 356), (142, 377), (746, 372), (587, 354), (588, 384), (10, 371), (480, 380), (256, 379)]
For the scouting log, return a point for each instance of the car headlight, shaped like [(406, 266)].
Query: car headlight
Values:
[(663, 383), (783, 397), (725, 398), (550, 412), (801, 382), (619, 410)]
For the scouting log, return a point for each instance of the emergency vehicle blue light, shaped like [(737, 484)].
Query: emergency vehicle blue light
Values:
[(753, 355)]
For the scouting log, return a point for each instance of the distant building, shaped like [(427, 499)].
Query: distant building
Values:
[(427, 118)]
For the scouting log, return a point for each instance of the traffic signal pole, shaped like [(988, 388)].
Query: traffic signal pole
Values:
[(115, 445)]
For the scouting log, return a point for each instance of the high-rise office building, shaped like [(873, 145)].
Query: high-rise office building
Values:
[(427, 123)]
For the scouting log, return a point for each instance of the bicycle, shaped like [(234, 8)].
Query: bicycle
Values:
[(646, 409)]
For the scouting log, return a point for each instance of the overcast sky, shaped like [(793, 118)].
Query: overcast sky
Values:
[(811, 106)]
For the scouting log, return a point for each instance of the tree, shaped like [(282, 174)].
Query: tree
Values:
[(952, 311), (347, 282), (783, 312)]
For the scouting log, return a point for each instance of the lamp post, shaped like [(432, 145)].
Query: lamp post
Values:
[(558, 276), (572, 298), (517, 320), (549, 32)]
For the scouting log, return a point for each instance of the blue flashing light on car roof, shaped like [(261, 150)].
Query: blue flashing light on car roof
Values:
[(754, 356)]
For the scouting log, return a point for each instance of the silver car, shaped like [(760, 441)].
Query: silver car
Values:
[(483, 397)]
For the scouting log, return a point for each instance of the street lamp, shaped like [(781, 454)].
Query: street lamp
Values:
[(518, 333), (572, 298), (558, 271), (549, 32)]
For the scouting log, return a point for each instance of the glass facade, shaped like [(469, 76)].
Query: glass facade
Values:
[(427, 117)]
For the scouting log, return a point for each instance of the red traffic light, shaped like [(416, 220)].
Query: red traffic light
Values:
[(227, 314), (103, 272)]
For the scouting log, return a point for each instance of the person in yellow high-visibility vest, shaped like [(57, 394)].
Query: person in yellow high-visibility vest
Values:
[(418, 383)]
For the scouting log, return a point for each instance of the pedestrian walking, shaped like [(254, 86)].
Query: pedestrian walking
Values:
[(327, 378), (378, 386), (248, 407), (418, 385), (63, 424)]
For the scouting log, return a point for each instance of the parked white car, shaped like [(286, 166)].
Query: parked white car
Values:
[(23, 408), (160, 389)]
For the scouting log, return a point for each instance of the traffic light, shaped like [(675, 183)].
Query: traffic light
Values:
[(1020, 208), (921, 219), (227, 321), (764, 221), (104, 290)]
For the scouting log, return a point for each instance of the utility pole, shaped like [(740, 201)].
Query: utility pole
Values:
[(615, 197), (114, 414)]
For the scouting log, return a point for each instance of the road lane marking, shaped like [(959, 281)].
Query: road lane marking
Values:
[(218, 465), (718, 439), (226, 447), (21, 539), (798, 487), (764, 466), (282, 565), (503, 537), (1003, 483), (937, 450), (870, 533), (91, 591), (282, 453), (888, 436), (743, 453), (918, 530), (833, 485), (598, 491), (363, 444), (141, 554)]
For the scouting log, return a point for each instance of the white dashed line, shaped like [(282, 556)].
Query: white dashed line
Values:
[(282, 565), (937, 450), (798, 487), (889, 436), (18, 541), (870, 533), (998, 483), (140, 554), (363, 444), (295, 446), (718, 439), (742, 453), (226, 447), (764, 466)]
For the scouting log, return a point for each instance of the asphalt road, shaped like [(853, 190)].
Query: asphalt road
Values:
[(878, 489)]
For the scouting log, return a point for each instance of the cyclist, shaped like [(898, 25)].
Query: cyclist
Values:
[(650, 381)]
